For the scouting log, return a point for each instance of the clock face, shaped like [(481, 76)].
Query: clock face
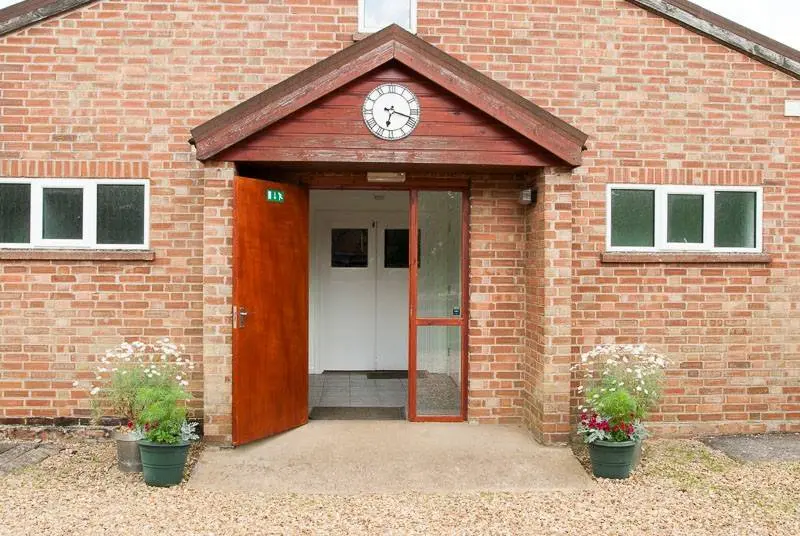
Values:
[(391, 111)]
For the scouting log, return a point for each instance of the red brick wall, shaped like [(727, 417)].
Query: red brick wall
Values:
[(497, 300), (123, 82)]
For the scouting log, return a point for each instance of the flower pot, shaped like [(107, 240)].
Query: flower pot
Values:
[(128, 459), (163, 464), (612, 459)]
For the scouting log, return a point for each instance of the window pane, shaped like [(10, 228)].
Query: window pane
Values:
[(735, 219), (379, 13), (396, 244), (439, 370), (62, 213), (15, 213), (632, 218), (120, 214), (349, 248), (439, 275), (685, 218)]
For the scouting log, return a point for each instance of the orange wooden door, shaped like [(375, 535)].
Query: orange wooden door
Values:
[(270, 296)]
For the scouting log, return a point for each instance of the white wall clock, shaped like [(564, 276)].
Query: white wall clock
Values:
[(391, 111)]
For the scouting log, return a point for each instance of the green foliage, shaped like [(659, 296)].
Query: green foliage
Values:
[(162, 412), (118, 396), (618, 409), (645, 387), (128, 368)]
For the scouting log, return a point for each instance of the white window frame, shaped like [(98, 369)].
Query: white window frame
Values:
[(89, 240), (660, 218), (363, 28)]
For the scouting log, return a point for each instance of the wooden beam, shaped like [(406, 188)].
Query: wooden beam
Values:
[(361, 156), (24, 14)]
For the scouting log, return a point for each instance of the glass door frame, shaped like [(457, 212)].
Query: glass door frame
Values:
[(414, 322)]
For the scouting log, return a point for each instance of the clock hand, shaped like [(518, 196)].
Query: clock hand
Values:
[(403, 115), (389, 119)]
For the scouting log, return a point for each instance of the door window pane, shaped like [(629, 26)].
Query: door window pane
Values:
[(632, 218), (349, 248), (685, 218), (439, 275), (396, 248), (62, 213), (15, 213), (439, 370), (120, 213), (735, 219), (379, 13)]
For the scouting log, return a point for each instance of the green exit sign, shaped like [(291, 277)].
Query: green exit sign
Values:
[(274, 196)]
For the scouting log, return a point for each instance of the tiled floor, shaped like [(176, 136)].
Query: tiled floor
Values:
[(353, 389)]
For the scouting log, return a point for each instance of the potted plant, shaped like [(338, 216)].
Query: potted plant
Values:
[(167, 434), (120, 374), (620, 385)]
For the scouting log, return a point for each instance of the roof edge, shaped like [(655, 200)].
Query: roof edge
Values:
[(24, 14), (727, 32)]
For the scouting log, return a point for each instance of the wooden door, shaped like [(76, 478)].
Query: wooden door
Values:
[(270, 320)]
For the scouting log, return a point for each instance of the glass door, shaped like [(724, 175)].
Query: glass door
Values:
[(438, 298)]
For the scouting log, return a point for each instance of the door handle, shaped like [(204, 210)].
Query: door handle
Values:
[(239, 317)]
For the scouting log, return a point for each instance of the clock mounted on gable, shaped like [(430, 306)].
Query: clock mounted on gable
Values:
[(391, 111)]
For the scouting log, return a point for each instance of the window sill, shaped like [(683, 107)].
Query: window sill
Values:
[(98, 255), (685, 258)]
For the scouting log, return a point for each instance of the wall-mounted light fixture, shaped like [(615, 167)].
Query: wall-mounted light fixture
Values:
[(386, 176), (527, 196)]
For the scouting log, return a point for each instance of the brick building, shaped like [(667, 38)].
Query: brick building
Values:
[(480, 196)]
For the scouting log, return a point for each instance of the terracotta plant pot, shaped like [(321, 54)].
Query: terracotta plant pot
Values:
[(612, 459), (128, 458), (163, 464)]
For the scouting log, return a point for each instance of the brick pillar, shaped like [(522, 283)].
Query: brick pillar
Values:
[(217, 301), (497, 300), (548, 274)]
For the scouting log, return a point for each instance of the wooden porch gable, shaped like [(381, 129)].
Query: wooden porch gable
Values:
[(314, 116)]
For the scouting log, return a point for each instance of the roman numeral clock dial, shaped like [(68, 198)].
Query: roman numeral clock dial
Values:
[(391, 111)]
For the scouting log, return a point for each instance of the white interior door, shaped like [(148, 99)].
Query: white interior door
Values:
[(358, 306), (391, 313), (346, 259)]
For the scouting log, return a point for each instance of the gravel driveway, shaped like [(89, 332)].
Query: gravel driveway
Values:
[(682, 488)]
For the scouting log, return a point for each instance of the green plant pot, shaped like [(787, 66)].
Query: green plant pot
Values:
[(163, 464), (612, 459)]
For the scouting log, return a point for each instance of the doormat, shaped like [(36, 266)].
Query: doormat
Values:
[(393, 374), (327, 413)]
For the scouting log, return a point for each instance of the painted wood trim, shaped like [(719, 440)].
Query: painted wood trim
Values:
[(24, 14), (388, 156), (726, 32), (413, 273), (439, 322), (465, 260)]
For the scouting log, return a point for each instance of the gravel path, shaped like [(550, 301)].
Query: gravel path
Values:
[(682, 488)]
